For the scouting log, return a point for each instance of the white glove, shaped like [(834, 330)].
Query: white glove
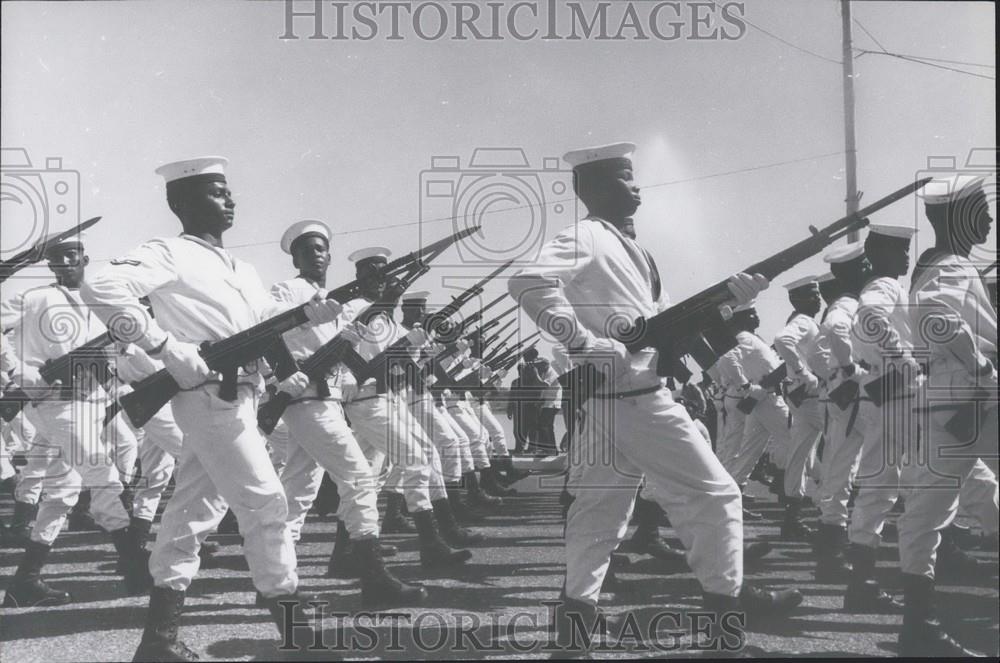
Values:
[(462, 345), (745, 287), (467, 362), (434, 349), (416, 337), (809, 379), (184, 363), (319, 309), (354, 332), (295, 384), (501, 374), (485, 373)]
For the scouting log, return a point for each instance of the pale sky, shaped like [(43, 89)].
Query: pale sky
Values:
[(342, 130)]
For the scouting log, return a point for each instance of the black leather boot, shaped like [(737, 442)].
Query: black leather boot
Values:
[(922, 634), (863, 594), (475, 494), (434, 552), (453, 533), (138, 529), (792, 526), (646, 538), (394, 521), (297, 623), (768, 603), (343, 564), (955, 565), (577, 624), (80, 518), (491, 484), (830, 544), (723, 642), (19, 532), (133, 562), (27, 589), (159, 637), (465, 514), (379, 588)]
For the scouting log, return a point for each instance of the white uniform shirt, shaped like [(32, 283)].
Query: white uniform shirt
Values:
[(199, 292), (950, 300), (47, 323), (593, 275), (797, 346), (881, 327), (750, 361), (304, 341), (835, 333)]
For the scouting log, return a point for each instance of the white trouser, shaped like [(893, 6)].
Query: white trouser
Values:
[(652, 436), (31, 479), (83, 460), (890, 433), (384, 428), (277, 445), (159, 449), (839, 466), (931, 488), (767, 421), (448, 444), (406, 419), (320, 438), (224, 460), (123, 445), (806, 432), (464, 445), (478, 438), (18, 436), (498, 440), (978, 497), (730, 433)]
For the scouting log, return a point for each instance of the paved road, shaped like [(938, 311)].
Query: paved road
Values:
[(500, 591)]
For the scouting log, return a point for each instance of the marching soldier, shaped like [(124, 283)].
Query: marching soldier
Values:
[(951, 308), (587, 275), (200, 292), (766, 418), (384, 423), (318, 430), (51, 321), (850, 271), (883, 341), (796, 345)]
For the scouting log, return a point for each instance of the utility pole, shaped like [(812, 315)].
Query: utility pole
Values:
[(850, 150)]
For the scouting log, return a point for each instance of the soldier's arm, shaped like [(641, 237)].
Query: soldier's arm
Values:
[(786, 343), (113, 293)]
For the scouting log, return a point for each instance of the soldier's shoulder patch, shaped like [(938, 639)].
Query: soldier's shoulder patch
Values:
[(125, 261)]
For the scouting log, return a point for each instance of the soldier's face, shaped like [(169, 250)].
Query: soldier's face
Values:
[(979, 217), (413, 313), (312, 256), (623, 193), (211, 206), (811, 304), (372, 279), (68, 264)]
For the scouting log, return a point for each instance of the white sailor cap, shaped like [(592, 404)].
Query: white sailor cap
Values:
[(889, 230), (213, 168), (301, 229), (370, 253), (745, 307), (586, 155), (951, 188), (51, 245), (845, 253), (805, 283), (416, 296)]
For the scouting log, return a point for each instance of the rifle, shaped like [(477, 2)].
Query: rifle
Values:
[(12, 402), (486, 342), (513, 356), (264, 339), (437, 323), (91, 354), (499, 349), (30, 256), (674, 331), (772, 381), (397, 355)]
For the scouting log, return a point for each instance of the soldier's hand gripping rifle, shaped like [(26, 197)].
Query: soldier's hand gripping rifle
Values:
[(697, 327), (17, 262), (264, 339), (91, 359), (396, 359)]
